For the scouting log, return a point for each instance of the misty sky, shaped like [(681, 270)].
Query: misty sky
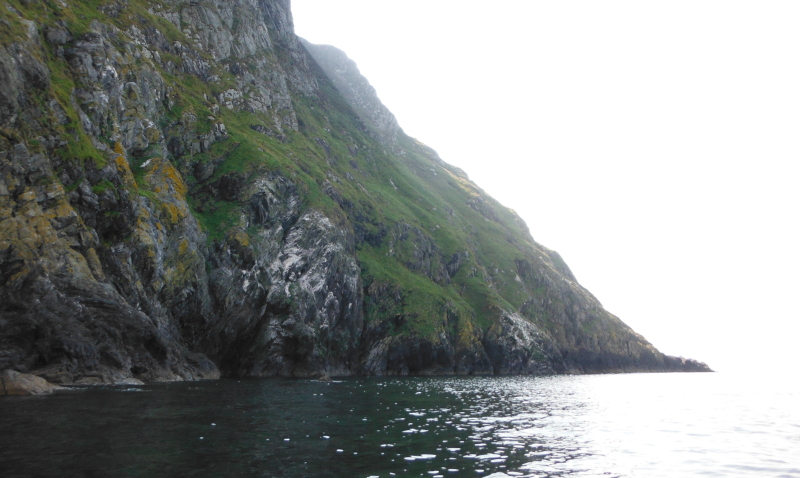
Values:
[(655, 145)]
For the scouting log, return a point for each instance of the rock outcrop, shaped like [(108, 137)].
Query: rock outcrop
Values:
[(187, 190), (15, 383)]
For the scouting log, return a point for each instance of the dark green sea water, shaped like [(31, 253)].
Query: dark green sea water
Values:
[(633, 425)]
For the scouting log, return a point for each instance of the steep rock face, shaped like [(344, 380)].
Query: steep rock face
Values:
[(186, 191), (108, 276)]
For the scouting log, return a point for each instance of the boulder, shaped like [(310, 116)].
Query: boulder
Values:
[(16, 383)]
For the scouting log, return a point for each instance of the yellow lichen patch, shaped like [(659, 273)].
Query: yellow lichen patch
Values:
[(8, 230), (5, 212), (172, 213), (28, 195), (242, 238), (16, 248), (11, 181), (179, 274), (29, 236), (62, 209), (152, 134), (142, 236), (143, 214), (69, 262), (94, 264), (466, 332), (183, 247), (44, 230), (54, 190), (157, 285), (123, 167), (177, 180), (166, 176)]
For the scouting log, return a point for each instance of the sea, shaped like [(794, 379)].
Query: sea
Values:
[(626, 425)]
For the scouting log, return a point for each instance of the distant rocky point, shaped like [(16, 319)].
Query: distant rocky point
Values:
[(189, 191)]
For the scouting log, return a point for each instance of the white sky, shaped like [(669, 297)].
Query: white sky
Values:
[(655, 145)]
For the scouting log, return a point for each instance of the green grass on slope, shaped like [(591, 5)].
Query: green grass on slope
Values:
[(404, 189)]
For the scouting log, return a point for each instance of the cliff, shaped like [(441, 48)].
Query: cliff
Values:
[(188, 190)]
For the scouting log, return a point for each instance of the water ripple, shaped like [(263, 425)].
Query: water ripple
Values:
[(641, 425)]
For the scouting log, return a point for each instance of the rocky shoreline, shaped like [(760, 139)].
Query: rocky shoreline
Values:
[(13, 383)]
